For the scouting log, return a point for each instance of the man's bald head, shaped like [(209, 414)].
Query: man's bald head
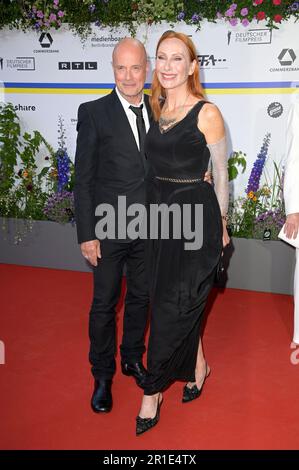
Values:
[(127, 44)]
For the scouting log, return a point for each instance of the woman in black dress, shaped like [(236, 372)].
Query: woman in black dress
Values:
[(187, 132)]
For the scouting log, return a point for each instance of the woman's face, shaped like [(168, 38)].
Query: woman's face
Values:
[(173, 65)]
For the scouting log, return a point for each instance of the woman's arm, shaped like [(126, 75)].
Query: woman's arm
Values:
[(211, 124)]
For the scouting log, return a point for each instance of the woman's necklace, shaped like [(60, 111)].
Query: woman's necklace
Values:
[(166, 123)]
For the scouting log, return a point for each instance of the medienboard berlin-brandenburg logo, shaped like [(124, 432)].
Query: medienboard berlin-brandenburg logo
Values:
[(139, 221)]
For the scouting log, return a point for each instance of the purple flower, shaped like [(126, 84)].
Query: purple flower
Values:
[(218, 15), (60, 14), (63, 169), (233, 6), (195, 18), (39, 14), (272, 218), (229, 13), (52, 17), (294, 6), (97, 23), (181, 16), (91, 8), (56, 2), (60, 207), (258, 166), (244, 12), (233, 21), (245, 22)]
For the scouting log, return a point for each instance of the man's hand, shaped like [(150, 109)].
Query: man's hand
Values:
[(91, 250), (292, 225), (208, 177)]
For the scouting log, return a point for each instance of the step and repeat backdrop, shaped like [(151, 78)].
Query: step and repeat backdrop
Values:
[(252, 74)]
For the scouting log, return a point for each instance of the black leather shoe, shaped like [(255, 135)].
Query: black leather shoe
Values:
[(145, 424), (191, 393), (136, 369), (101, 400)]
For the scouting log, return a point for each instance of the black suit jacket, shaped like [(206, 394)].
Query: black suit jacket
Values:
[(107, 163)]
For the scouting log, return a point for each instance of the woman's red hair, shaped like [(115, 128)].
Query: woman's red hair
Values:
[(193, 83)]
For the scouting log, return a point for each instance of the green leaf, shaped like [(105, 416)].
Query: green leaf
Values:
[(232, 173), (43, 172)]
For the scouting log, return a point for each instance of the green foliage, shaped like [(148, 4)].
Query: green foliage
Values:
[(22, 187), (261, 210), (155, 11), (236, 159), (9, 145), (80, 14), (28, 192)]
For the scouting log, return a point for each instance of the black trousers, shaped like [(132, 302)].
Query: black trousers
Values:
[(107, 288)]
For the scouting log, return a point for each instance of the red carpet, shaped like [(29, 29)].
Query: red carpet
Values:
[(250, 400)]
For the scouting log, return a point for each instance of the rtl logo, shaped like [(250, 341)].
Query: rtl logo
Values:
[(77, 65)]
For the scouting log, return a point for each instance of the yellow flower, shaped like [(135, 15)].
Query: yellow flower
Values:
[(254, 198), (250, 195), (265, 191)]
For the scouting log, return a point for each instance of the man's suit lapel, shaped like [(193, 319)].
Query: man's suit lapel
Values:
[(121, 122), (121, 112)]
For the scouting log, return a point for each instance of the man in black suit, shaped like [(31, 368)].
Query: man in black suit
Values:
[(109, 163)]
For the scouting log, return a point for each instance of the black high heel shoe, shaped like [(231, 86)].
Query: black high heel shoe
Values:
[(145, 424), (191, 393)]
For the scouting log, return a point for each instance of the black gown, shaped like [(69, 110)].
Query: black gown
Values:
[(180, 280)]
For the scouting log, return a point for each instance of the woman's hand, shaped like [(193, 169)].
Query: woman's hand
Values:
[(208, 178), (225, 236)]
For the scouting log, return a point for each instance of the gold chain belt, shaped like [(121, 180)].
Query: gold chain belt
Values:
[(179, 180)]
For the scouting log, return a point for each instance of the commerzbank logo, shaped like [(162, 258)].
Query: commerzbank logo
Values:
[(46, 42), (286, 59)]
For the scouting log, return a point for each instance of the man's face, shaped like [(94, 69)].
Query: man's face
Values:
[(130, 67)]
